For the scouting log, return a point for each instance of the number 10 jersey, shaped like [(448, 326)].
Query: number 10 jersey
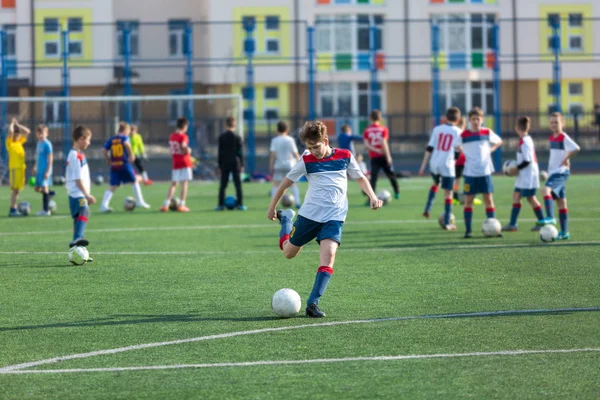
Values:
[(444, 141)]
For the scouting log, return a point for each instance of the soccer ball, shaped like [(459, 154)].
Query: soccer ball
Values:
[(287, 200), (129, 203), (548, 233), (441, 220), (286, 303), (543, 176), (52, 206), (491, 227), (24, 208), (99, 180), (59, 180), (508, 166), (230, 202), (174, 204), (385, 196), (78, 255)]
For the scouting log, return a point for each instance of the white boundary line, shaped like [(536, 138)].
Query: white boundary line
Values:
[(10, 369), (253, 226), (295, 362)]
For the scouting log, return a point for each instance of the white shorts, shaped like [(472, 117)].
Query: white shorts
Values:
[(181, 174), (280, 173)]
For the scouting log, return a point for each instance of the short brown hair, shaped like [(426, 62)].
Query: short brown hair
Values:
[(81, 131), (41, 128), (346, 128), (375, 115), (230, 122), (453, 114), (181, 123), (558, 115), (282, 127), (462, 123), (476, 111), (133, 127), (524, 124), (123, 126), (313, 131)]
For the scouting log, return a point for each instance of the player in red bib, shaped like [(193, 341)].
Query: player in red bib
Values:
[(182, 165)]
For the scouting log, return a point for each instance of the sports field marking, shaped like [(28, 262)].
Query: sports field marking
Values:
[(313, 361), (11, 369), (272, 225), (350, 250)]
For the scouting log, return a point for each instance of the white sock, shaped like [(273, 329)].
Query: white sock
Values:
[(296, 194), (167, 202), (145, 176), (106, 200), (273, 190), (138, 192), (182, 203)]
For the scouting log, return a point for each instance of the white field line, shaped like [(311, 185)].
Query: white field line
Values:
[(308, 361), (252, 226), (315, 250), (12, 368)]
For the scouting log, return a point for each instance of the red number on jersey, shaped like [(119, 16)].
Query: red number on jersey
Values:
[(175, 147), (444, 142)]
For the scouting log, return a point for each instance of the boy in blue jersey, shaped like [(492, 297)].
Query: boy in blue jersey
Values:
[(42, 170), (119, 155), (324, 210), (345, 139)]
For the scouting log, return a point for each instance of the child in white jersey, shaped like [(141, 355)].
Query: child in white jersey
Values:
[(562, 147), (528, 177), (284, 154), (443, 145), (325, 206)]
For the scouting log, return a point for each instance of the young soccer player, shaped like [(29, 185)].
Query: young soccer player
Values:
[(43, 168), (528, 177), (17, 136), (231, 163), (478, 144), (119, 155), (139, 152), (182, 165), (459, 167), (78, 185), (346, 138), (441, 148), (284, 154), (562, 148), (324, 210), (376, 141)]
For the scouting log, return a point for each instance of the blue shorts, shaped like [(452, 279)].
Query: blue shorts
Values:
[(77, 205), (479, 184), (119, 176), (526, 192), (447, 181), (40, 181), (558, 184), (305, 230)]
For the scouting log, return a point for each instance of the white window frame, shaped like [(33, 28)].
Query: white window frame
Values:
[(575, 49), (580, 18), (265, 98), (54, 122), (354, 92), (75, 55), (81, 24), (179, 34), (272, 39), (11, 34), (57, 25), (133, 33), (58, 46), (180, 104), (484, 91), (577, 104), (278, 23)]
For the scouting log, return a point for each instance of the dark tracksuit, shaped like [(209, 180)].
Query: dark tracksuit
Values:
[(231, 160)]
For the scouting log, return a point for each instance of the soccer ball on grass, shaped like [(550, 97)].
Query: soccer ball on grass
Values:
[(78, 255), (441, 220), (52, 206), (286, 303), (385, 196), (24, 208), (129, 204), (491, 227), (548, 233)]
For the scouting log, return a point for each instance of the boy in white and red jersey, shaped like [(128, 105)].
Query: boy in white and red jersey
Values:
[(528, 177), (441, 148), (325, 206), (562, 147), (182, 165), (376, 138), (478, 144)]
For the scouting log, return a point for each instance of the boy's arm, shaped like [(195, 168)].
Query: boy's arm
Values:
[(49, 167), (573, 147), (283, 186), (91, 199), (425, 159), (496, 146), (364, 184), (356, 137), (23, 129), (106, 156), (130, 155)]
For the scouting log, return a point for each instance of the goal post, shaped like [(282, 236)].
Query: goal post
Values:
[(155, 115)]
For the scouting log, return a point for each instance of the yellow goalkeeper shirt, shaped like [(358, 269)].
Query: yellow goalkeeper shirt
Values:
[(137, 144), (16, 152)]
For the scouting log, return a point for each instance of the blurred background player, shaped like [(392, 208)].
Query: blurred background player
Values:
[(459, 167), (284, 154), (42, 169), (528, 177), (345, 139), (231, 162), (441, 148), (139, 152), (181, 153), (325, 207), (17, 136), (478, 144), (562, 147), (78, 185), (376, 141), (119, 155)]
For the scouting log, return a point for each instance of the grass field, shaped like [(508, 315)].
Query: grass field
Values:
[(183, 301)]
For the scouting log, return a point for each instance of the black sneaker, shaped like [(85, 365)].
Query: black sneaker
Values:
[(313, 311), (468, 235), (79, 242)]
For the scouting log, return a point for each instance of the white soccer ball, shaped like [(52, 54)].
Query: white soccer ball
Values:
[(508, 166), (78, 255), (441, 220), (548, 233), (385, 196), (286, 303), (543, 176), (287, 200), (491, 227), (52, 206), (129, 203)]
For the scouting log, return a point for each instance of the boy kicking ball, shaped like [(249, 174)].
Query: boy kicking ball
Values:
[(324, 210)]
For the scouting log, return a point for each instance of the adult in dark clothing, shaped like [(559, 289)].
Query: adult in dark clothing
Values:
[(231, 161)]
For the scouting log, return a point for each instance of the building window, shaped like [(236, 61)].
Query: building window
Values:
[(575, 89), (177, 38), (272, 46), (553, 19), (576, 109), (75, 25), (10, 49), (272, 22), (575, 43), (75, 48), (467, 94), (576, 20), (345, 99), (51, 49), (271, 114), (176, 107), (271, 93), (51, 25), (134, 37), (54, 111)]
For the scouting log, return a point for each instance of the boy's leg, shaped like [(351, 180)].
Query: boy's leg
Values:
[(563, 214), (490, 210), (468, 214), (431, 195), (537, 207), (170, 194), (105, 205), (237, 181), (286, 218), (514, 214), (387, 168), (548, 203), (137, 191), (45, 198), (80, 212), (328, 248), (448, 209), (375, 166)]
